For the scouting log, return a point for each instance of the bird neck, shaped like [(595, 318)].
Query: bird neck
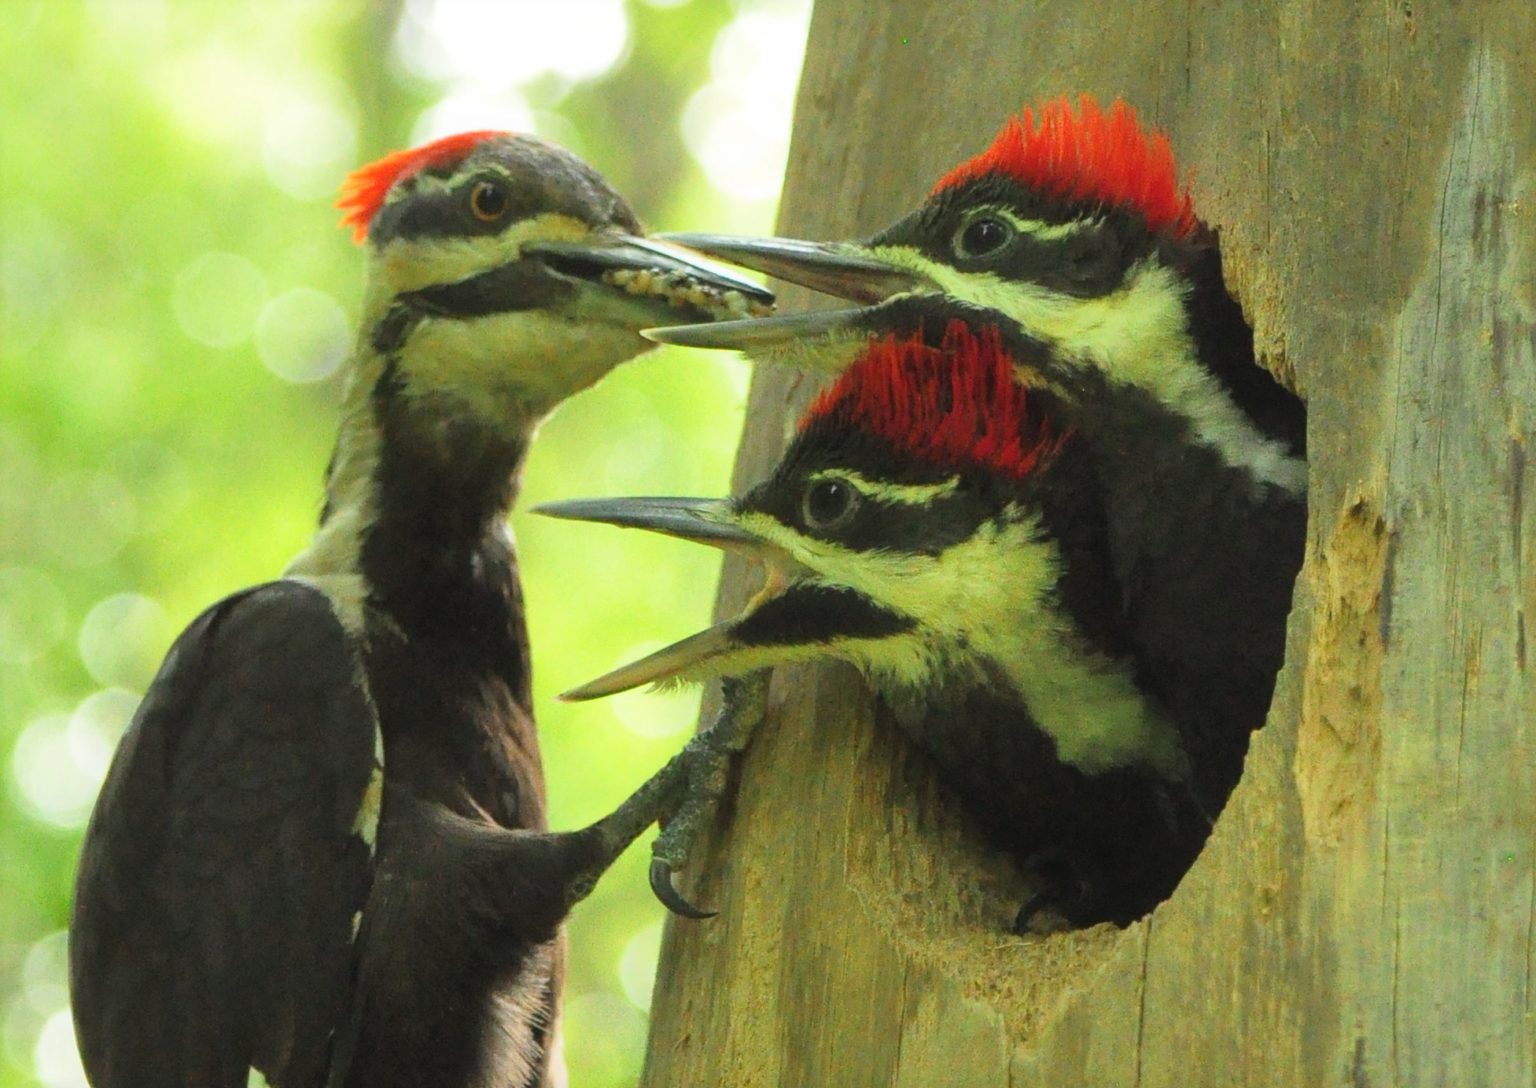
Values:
[(417, 493), (1223, 341), (1176, 421), (1172, 333)]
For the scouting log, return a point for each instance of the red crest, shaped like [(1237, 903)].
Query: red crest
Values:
[(956, 405), (1090, 155), (364, 190)]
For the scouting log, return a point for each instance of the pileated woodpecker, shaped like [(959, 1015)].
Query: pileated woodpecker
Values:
[(930, 524), (320, 854), (1072, 235)]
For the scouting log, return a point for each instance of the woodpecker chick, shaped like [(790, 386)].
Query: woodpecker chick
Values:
[(320, 856), (933, 526), (1072, 235)]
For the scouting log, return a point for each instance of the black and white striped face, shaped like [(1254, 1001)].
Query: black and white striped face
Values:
[(884, 563), (1093, 288), (926, 580), (1091, 284), (1107, 301), (518, 276), (504, 181), (899, 567), (1109, 304), (995, 229)]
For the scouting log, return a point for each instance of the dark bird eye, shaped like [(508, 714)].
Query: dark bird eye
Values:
[(829, 504), (983, 236), (488, 200)]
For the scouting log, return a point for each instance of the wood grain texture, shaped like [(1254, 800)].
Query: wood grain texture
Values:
[(1364, 912)]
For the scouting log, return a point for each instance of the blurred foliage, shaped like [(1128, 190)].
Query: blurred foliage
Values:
[(172, 284)]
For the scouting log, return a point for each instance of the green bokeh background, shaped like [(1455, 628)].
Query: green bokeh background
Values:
[(167, 248)]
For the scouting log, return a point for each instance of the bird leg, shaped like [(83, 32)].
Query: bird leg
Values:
[(708, 756), (680, 797), (610, 836)]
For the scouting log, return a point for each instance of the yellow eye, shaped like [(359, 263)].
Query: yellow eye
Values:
[(488, 200)]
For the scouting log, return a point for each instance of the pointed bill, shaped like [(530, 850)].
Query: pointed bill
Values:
[(841, 269), (676, 659), (624, 252), (684, 257), (708, 521), (759, 333), (705, 521)]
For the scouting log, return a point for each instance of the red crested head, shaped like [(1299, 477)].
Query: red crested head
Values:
[(1090, 155), (364, 190), (953, 406)]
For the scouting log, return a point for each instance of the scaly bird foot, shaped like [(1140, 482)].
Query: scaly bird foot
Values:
[(707, 761)]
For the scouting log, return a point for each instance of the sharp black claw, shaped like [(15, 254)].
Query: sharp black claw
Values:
[(671, 898)]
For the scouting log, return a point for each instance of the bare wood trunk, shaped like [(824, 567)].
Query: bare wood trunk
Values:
[(1364, 912)]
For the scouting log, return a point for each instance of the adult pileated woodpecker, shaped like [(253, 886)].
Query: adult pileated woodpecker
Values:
[(1072, 235), (930, 525), (319, 857)]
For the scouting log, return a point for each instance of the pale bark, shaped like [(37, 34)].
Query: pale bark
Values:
[(1364, 911)]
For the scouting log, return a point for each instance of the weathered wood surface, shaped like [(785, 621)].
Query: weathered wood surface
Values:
[(1364, 912)]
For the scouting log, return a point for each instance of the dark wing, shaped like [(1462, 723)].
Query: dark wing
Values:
[(223, 869)]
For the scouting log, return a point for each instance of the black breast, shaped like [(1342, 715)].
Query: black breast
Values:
[(1130, 832)]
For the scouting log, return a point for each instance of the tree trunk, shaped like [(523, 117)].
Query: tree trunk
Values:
[(1363, 913)]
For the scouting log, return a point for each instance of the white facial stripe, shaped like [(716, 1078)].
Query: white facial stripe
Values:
[(1136, 335), (883, 491), (989, 600), (429, 183), (513, 366), (1037, 229), (410, 264), (421, 183)]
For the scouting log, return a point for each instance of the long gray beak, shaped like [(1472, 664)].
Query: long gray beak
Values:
[(843, 269), (680, 657), (628, 253), (706, 521), (758, 333)]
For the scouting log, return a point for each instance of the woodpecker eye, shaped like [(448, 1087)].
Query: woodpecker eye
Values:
[(983, 236), (488, 200), (829, 504)]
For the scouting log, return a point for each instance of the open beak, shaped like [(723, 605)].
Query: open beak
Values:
[(843, 269), (765, 333), (707, 521), (646, 267)]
